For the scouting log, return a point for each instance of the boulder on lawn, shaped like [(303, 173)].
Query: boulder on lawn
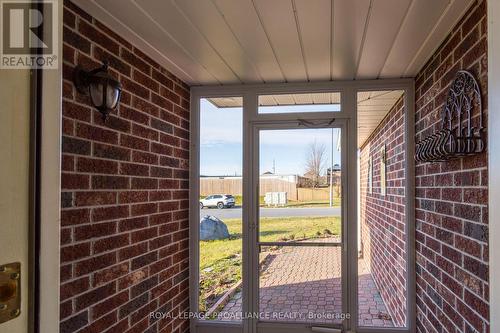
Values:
[(212, 228)]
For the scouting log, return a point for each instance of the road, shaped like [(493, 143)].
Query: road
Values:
[(231, 213)]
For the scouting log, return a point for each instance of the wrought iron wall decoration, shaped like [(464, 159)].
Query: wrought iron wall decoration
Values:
[(462, 131)]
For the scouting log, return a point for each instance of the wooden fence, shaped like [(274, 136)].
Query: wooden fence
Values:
[(234, 186)]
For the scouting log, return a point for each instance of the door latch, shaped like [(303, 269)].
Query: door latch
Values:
[(10, 291)]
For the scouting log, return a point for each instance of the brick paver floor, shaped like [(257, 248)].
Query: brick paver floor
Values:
[(302, 284)]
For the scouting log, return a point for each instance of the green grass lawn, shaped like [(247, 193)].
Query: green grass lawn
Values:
[(220, 260)]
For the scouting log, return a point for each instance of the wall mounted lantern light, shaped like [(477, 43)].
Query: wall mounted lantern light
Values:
[(103, 89)]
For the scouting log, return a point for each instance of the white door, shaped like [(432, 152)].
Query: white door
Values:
[(14, 199)]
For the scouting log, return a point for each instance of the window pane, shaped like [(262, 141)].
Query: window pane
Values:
[(382, 281), (220, 244), (300, 201), (293, 103)]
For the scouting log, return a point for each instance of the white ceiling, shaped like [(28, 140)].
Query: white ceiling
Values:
[(373, 106), (257, 41)]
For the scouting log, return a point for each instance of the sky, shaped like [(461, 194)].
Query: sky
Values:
[(221, 142)]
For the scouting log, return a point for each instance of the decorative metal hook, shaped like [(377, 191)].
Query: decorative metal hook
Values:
[(458, 136)]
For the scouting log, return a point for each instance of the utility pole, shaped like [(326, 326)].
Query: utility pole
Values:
[(274, 166)]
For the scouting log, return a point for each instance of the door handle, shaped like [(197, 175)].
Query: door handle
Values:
[(10, 291)]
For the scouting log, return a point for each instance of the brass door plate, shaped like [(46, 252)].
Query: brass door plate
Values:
[(10, 291)]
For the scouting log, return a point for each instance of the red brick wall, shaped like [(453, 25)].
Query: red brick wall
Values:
[(452, 197), (383, 217), (124, 214)]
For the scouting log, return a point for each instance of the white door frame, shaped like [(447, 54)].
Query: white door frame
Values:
[(50, 191), (253, 228), (250, 94), (494, 158)]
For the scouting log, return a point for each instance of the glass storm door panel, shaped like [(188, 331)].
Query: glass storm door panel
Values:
[(300, 229)]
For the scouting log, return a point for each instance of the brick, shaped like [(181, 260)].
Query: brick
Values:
[(74, 287), (145, 81), (144, 157), (476, 267), (109, 274), (144, 260), (93, 165), (75, 216), (76, 111), (109, 213), (94, 264), (133, 305), (94, 230), (110, 304), (71, 181), (134, 169), (112, 122), (74, 323), (144, 183), (145, 106), (111, 152), (134, 142), (75, 146), (95, 198), (109, 169), (113, 61), (135, 61), (161, 126), (133, 196), (94, 296), (95, 133), (477, 231), (133, 223), (134, 88), (65, 309), (145, 234), (98, 37), (468, 212), (110, 182), (132, 251), (75, 40), (143, 209), (75, 252), (163, 79), (145, 132), (102, 323), (110, 243), (136, 116)]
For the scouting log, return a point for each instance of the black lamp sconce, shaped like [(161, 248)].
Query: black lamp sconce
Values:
[(103, 89)]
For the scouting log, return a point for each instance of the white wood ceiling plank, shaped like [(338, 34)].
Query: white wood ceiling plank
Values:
[(314, 18), (348, 28), (168, 54), (244, 22), (171, 24), (380, 35), (210, 23), (278, 21), (455, 12), (420, 21)]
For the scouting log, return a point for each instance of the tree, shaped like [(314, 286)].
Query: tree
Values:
[(315, 162)]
